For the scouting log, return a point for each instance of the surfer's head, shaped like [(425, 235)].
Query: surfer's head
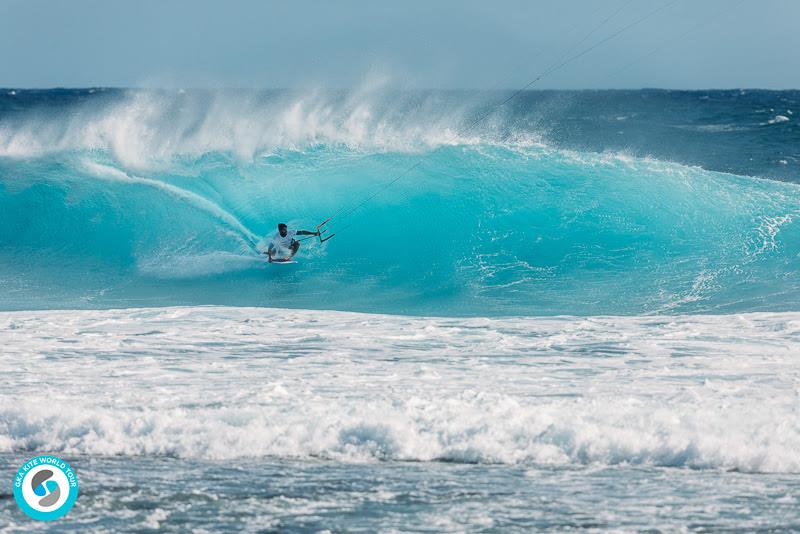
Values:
[(282, 229)]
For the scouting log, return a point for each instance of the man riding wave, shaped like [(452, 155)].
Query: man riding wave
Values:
[(284, 241)]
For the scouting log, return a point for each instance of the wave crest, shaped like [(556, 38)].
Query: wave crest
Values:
[(143, 129)]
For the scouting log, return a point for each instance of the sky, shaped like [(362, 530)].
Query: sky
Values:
[(457, 44)]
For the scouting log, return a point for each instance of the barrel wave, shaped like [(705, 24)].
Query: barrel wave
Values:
[(583, 308), (146, 199)]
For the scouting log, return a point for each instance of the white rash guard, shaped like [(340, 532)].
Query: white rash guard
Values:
[(284, 242)]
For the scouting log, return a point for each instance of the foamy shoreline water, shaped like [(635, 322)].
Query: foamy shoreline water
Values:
[(253, 419), (121, 494), (706, 392)]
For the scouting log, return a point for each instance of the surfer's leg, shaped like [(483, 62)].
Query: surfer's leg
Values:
[(295, 248)]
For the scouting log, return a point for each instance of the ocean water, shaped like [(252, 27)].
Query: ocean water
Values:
[(583, 313)]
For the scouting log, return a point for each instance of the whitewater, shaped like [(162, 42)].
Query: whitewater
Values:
[(583, 314)]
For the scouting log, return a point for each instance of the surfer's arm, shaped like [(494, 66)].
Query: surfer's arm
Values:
[(306, 232)]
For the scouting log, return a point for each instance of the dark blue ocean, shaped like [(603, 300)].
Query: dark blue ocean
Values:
[(580, 310)]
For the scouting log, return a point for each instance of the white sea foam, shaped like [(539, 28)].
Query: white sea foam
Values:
[(777, 119), (147, 128), (765, 239), (110, 173), (718, 392)]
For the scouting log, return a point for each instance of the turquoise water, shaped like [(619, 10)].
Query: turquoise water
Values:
[(582, 315), (152, 199)]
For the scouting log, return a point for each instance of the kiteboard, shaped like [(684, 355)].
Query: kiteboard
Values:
[(281, 261)]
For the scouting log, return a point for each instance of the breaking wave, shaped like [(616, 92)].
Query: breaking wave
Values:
[(144, 197), (221, 383)]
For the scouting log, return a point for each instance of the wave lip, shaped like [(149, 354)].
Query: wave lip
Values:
[(145, 130), (684, 391)]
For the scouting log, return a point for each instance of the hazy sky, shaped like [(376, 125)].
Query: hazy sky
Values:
[(428, 43)]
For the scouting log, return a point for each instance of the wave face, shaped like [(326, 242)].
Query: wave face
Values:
[(132, 198)]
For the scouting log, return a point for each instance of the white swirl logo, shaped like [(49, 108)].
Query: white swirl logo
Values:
[(45, 487)]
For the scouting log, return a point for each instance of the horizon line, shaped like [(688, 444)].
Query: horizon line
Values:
[(351, 88)]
